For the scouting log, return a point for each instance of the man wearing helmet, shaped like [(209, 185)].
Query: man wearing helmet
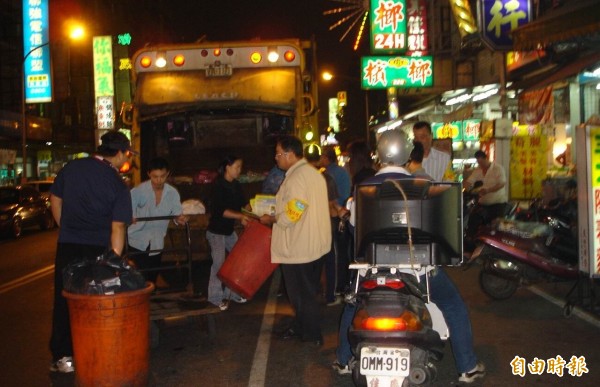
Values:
[(393, 150)]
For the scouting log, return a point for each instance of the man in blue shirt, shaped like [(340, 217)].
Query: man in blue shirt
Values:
[(91, 204), (152, 198), (341, 238)]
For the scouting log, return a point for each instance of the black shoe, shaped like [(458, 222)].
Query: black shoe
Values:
[(289, 334)]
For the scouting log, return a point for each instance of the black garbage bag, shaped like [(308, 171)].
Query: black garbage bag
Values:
[(108, 273)]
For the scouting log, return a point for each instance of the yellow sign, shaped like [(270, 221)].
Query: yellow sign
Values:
[(527, 166)]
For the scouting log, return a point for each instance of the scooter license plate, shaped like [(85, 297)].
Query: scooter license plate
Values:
[(384, 361)]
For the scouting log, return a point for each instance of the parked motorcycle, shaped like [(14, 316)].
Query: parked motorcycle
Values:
[(514, 253), (398, 332)]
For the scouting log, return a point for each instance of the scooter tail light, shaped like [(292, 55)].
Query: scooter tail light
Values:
[(407, 321), (392, 283)]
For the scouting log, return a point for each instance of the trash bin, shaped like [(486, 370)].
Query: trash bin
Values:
[(248, 264), (111, 337)]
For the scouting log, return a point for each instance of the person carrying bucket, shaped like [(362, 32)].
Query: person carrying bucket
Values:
[(226, 204)]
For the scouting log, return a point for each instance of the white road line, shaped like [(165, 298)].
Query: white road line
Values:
[(34, 276), (261, 354), (585, 316)]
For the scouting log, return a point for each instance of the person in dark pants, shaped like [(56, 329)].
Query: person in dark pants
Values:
[(301, 236), (92, 205)]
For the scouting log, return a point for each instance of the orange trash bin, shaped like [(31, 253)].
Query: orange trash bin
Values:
[(248, 264), (111, 337)]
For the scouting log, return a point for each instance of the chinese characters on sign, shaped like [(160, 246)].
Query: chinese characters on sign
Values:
[(388, 26), (417, 28), (595, 186), (527, 166), (36, 65), (105, 112), (103, 81), (576, 366), (400, 71), (499, 17)]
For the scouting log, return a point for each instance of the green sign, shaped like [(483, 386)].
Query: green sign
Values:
[(451, 130), (388, 26), (471, 130), (382, 72)]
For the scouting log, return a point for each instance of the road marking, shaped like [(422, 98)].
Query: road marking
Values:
[(26, 279), (585, 316), (261, 354)]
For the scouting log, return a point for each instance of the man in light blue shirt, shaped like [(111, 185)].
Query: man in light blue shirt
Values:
[(152, 198)]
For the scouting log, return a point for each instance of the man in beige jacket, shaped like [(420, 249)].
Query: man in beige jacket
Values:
[(301, 236)]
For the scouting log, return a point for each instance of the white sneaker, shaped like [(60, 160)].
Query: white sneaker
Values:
[(240, 300), (224, 305), (475, 373), (64, 365)]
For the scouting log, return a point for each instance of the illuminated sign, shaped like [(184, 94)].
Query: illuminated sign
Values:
[(527, 166), (498, 18), (452, 130), (417, 28), (388, 26), (333, 106), (105, 112), (382, 72), (103, 81), (36, 63), (471, 129)]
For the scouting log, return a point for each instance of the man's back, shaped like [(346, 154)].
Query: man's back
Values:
[(93, 195)]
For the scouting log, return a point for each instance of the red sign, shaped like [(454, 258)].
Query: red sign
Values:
[(417, 27)]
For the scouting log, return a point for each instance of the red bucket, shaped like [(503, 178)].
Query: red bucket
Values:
[(248, 265)]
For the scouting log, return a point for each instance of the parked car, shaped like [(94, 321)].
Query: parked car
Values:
[(23, 206), (42, 186)]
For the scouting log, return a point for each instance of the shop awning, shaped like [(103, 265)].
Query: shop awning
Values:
[(558, 73), (572, 20)]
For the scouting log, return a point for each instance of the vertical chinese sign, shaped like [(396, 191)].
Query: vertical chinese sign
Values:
[(36, 52), (497, 18), (103, 82), (388, 26), (382, 72), (417, 28), (594, 167), (527, 166)]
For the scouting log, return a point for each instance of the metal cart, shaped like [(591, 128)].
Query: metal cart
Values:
[(176, 302)]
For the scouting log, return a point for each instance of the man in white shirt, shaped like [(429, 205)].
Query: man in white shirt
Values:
[(438, 164), (492, 195)]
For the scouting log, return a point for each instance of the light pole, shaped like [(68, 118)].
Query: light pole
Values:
[(23, 113), (328, 76)]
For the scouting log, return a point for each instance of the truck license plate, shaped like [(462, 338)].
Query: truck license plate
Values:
[(384, 361)]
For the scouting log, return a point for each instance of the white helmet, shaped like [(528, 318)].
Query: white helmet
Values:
[(393, 147)]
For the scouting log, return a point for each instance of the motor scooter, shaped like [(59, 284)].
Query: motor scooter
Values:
[(514, 253), (397, 332)]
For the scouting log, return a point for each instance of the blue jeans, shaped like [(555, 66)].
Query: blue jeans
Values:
[(446, 296), (219, 246)]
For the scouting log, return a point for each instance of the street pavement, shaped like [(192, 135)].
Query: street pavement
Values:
[(526, 329)]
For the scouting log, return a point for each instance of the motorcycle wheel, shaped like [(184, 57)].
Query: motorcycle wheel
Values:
[(495, 286)]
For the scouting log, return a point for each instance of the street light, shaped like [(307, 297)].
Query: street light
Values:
[(328, 76), (76, 32)]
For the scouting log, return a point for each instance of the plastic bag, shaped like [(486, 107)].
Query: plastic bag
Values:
[(103, 275)]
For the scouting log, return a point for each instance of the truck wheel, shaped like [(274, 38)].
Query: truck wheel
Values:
[(497, 287)]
